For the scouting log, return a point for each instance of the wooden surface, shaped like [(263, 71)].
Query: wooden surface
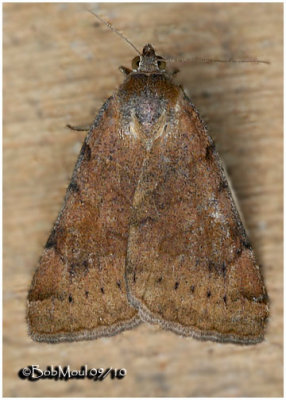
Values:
[(60, 65)]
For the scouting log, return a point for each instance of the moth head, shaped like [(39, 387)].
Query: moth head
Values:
[(148, 61)]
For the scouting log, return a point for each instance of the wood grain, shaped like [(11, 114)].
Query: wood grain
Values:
[(60, 65)]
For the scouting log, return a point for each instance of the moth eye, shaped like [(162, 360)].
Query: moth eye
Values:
[(135, 62), (161, 64)]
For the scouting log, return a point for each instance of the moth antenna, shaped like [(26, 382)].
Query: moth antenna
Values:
[(115, 31), (217, 60)]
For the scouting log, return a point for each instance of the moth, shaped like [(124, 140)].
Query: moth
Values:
[(149, 230)]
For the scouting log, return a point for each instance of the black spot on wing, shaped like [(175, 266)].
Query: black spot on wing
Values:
[(223, 185), (73, 187), (52, 241), (209, 151), (85, 152), (246, 243)]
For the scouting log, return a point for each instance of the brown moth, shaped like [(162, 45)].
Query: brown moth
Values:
[(149, 230)]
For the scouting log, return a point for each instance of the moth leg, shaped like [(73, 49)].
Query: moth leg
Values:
[(83, 128), (126, 71)]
